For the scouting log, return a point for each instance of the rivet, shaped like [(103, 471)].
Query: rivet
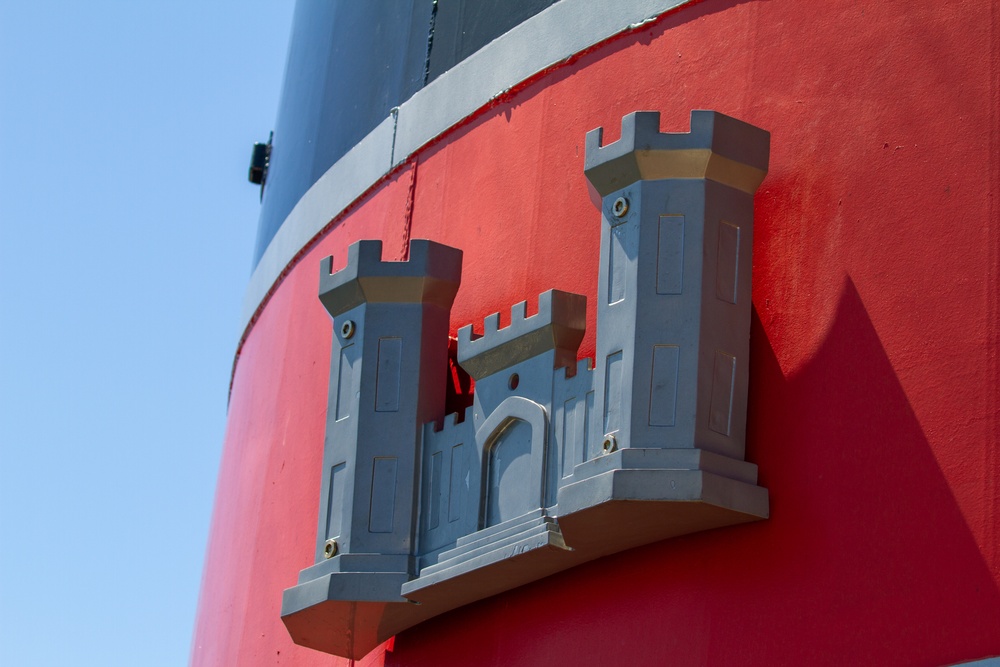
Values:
[(330, 549), (347, 329), (620, 207)]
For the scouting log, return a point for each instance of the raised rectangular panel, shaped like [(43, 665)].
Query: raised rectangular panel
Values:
[(727, 268), (345, 380), (588, 418), (458, 483), (390, 352), (670, 255), (434, 518), (617, 266), (565, 428), (723, 380), (663, 385), (383, 502), (613, 392), (574, 434), (335, 496)]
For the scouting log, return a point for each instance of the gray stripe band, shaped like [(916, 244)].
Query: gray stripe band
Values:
[(551, 36)]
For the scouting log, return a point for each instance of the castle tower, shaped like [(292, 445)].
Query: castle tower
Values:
[(674, 287), (387, 379), (673, 325)]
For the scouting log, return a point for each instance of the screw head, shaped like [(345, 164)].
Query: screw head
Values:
[(347, 329), (330, 549), (610, 443), (620, 207)]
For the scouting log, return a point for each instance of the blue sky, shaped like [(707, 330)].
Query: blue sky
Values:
[(126, 232)]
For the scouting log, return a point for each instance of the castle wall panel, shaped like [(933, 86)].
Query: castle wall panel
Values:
[(670, 255), (613, 391), (390, 351), (458, 485), (433, 518), (728, 262), (345, 382), (383, 495), (723, 384), (334, 498), (663, 389)]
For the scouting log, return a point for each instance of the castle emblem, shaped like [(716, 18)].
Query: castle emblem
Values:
[(556, 462)]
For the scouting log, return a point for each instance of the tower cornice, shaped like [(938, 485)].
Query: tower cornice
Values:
[(718, 148)]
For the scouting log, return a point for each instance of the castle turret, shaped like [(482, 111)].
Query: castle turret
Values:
[(674, 287), (673, 327), (387, 379)]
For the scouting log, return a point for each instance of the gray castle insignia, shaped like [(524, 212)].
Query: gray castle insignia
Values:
[(555, 463)]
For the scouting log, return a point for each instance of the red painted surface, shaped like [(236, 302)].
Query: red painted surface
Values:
[(874, 408)]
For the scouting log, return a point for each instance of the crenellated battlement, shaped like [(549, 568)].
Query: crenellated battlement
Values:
[(718, 148), (570, 373), (431, 275), (558, 325), (572, 382), (446, 429)]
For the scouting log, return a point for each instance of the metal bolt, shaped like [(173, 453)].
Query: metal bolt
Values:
[(347, 328), (610, 443), (620, 207), (330, 549)]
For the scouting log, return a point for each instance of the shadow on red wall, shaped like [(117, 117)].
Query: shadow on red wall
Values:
[(866, 558)]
